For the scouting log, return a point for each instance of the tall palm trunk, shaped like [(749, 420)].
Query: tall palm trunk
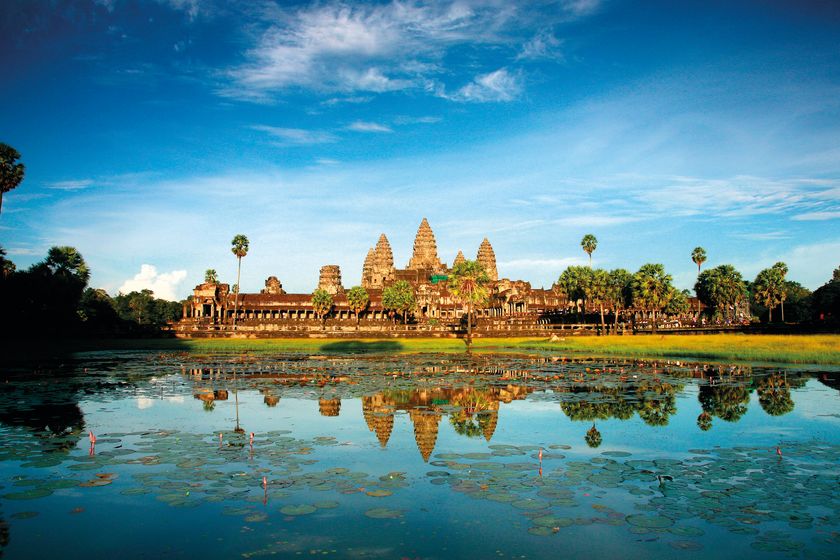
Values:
[(783, 310), (769, 314), (238, 289), (603, 325), (469, 325), (653, 321)]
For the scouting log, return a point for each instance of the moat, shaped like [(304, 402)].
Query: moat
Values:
[(417, 456)]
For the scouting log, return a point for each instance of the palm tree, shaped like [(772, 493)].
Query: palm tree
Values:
[(400, 298), (67, 262), (767, 289), (358, 299), (11, 172), (652, 289), (468, 284), (783, 270), (322, 303), (619, 291), (599, 291), (593, 437), (589, 243), (720, 288), (239, 247), (210, 276), (576, 283), (698, 255)]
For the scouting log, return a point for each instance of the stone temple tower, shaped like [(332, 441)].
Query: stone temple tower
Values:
[(425, 256), (487, 258), (330, 279), (379, 269), (459, 258)]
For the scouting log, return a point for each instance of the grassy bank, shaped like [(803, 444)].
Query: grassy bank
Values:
[(802, 349)]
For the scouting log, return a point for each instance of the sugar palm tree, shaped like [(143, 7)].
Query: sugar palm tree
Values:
[(239, 247), (651, 289), (767, 289), (599, 291), (468, 284), (783, 270), (210, 276), (11, 172), (698, 255), (358, 299), (589, 243), (322, 303)]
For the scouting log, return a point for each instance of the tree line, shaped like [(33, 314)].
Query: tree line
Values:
[(52, 297)]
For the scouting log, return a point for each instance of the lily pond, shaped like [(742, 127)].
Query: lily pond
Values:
[(148, 454)]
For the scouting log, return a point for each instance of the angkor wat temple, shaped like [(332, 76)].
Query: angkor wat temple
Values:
[(512, 302)]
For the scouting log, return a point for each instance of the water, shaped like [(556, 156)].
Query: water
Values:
[(423, 456)]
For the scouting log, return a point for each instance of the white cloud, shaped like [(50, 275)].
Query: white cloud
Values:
[(163, 285), (362, 126), (404, 119), (75, 185), (542, 45), (817, 216), (496, 86), (356, 47), (297, 136)]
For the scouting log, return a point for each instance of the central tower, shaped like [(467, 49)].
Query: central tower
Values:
[(425, 255)]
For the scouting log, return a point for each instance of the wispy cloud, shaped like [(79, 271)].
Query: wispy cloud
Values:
[(297, 136), (363, 126), (164, 285), (336, 47), (817, 216), (403, 119), (763, 236), (496, 86), (75, 185), (542, 45)]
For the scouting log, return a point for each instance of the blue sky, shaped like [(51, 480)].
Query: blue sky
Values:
[(155, 131)]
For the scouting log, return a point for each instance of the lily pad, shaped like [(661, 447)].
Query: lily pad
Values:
[(303, 509), (384, 513)]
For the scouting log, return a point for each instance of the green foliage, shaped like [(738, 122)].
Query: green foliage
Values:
[(144, 310), (399, 297), (720, 288), (677, 303), (589, 243), (322, 303), (239, 246), (11, 171), (358, 299), (67, 262), (593, 437), (767, 289), (826, 300), (210, 276), (651, 287), (468, 284), (7, 267), (575, 282), (698, 255)]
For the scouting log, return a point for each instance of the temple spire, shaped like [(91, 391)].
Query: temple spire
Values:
[(487, 258), (425, 256)]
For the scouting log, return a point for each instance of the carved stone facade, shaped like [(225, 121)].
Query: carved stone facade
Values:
[(330, 279), (382, 272), (487, 258), (273, 287)]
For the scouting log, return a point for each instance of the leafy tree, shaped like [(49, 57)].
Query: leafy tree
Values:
[(11, 171), (239, 247), (7, 267), (589, 243), (620, 291), (599, 291), (826, 300), (210, 276), (774, 395), (720, 288), (67, 262), (652, 289), (468, 284), (358, 299), (576, 283), (399, 297), (322, 303), (97, 310), (677, 302)]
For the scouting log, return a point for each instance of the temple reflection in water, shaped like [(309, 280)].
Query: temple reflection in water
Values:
[(471, 396)]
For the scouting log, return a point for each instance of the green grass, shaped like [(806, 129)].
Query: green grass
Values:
[(801, 349)]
